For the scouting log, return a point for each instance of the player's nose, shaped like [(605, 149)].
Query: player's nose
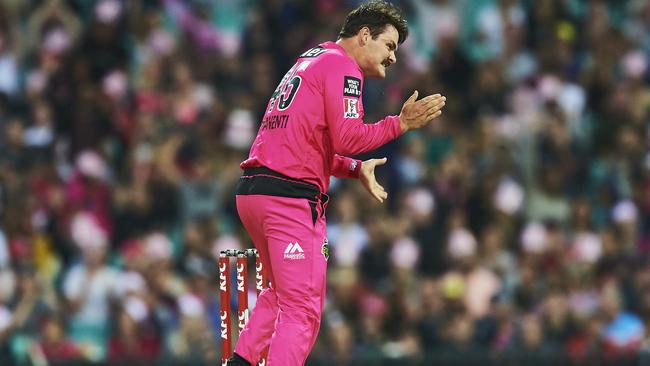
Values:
[(392, 58)]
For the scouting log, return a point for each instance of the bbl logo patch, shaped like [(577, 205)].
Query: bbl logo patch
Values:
[(325, 249), (351, 86)]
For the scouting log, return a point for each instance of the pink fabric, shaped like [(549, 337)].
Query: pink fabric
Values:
[(286, 315), (304, 132), (343, 167)]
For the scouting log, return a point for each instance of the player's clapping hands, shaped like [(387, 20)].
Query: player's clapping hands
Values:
[(417, 113), (367, 178)]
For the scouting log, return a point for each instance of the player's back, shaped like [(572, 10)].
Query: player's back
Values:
[(293, 138)]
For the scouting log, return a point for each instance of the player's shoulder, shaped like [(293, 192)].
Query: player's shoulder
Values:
[(318, 52), (327, 55)]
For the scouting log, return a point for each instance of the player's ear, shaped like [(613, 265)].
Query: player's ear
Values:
[(364, 35)]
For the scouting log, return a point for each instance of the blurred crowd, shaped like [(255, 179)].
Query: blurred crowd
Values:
[(517, 226)]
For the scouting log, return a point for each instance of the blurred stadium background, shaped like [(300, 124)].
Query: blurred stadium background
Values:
[(517, 230)]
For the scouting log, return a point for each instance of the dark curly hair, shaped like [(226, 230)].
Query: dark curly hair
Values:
[(375, 15)]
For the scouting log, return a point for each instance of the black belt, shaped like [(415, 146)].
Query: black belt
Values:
[(268, 182)]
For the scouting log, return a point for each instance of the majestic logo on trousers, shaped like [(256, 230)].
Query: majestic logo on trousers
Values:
[(294, 251)]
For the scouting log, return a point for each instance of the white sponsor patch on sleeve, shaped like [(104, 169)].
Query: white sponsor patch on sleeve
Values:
[(353, 165), (350, 108)]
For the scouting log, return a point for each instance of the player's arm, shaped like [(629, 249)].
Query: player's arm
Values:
[(344, 167), (350, 136)]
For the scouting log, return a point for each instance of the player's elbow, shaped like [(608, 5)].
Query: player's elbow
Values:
[(347, 147)]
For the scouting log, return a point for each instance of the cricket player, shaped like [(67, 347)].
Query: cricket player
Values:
[(313, 121)]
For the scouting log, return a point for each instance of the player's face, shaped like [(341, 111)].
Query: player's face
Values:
[(379, 53)]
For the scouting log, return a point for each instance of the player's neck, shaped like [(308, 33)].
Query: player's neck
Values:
[(349, 47)]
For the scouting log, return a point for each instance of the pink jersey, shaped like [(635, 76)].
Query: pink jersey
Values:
[(314, 117)]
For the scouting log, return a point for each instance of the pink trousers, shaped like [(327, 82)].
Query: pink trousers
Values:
[(290, 236)]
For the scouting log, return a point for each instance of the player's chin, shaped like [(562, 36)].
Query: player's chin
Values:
[(381, 72), (378, 72)]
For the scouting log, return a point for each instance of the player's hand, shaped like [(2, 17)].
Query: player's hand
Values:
[(417, 113), (367, 177)]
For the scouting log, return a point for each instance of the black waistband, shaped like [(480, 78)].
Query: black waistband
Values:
[(268, 182)]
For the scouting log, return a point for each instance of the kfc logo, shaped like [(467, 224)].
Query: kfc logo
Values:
[(350, 108)]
